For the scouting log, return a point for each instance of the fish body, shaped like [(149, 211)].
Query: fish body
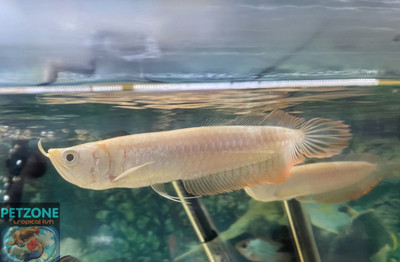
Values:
[(262, 250), (209, 160), (181, 154), (345, 180), (327, 217)]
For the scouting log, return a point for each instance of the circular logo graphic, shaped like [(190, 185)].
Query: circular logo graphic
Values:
[(35, 244)]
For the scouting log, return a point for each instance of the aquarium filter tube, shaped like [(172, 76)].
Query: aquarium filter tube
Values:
[(161, 87), (213, 246), (302, 232)]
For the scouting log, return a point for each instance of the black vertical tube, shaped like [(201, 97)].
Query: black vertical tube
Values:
[(214, 247), (302, 232)]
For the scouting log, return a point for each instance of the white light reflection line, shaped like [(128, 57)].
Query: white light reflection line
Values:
[(151, 87)]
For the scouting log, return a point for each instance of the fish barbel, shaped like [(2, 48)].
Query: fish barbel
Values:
[(326, 182), (209, 159)]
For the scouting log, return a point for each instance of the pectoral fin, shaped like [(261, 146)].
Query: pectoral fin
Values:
[(130, 171), (162, 191)]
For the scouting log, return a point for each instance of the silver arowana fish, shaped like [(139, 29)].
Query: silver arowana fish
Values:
[(325, 182), (209, 159)]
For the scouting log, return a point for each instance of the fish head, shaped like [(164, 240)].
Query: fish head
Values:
[(86, 165), (244, 248), (242, 244), (258, 249)]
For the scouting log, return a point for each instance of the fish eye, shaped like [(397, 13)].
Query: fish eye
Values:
[(70, 157)]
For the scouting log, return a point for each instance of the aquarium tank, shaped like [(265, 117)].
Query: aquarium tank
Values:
[(200, 131)]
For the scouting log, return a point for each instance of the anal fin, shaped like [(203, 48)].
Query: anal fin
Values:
[(235, 179)]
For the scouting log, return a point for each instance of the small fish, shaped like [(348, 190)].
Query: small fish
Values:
[(209, 159), (327, 217), (262, 250), (326, 182)]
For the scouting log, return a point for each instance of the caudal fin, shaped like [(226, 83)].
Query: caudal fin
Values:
[(323, 138)]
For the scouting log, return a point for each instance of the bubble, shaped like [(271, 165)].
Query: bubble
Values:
[(50, 134), (4, 128), (16, 179), (81, 132)]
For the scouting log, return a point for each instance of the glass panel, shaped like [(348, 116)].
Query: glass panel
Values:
[(138, 224), (172, 41), (347, 53)]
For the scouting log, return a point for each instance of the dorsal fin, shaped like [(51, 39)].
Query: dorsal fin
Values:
[(275, 118), (322, 137)]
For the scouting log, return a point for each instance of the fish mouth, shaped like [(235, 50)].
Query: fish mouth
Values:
[(55, 156)]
